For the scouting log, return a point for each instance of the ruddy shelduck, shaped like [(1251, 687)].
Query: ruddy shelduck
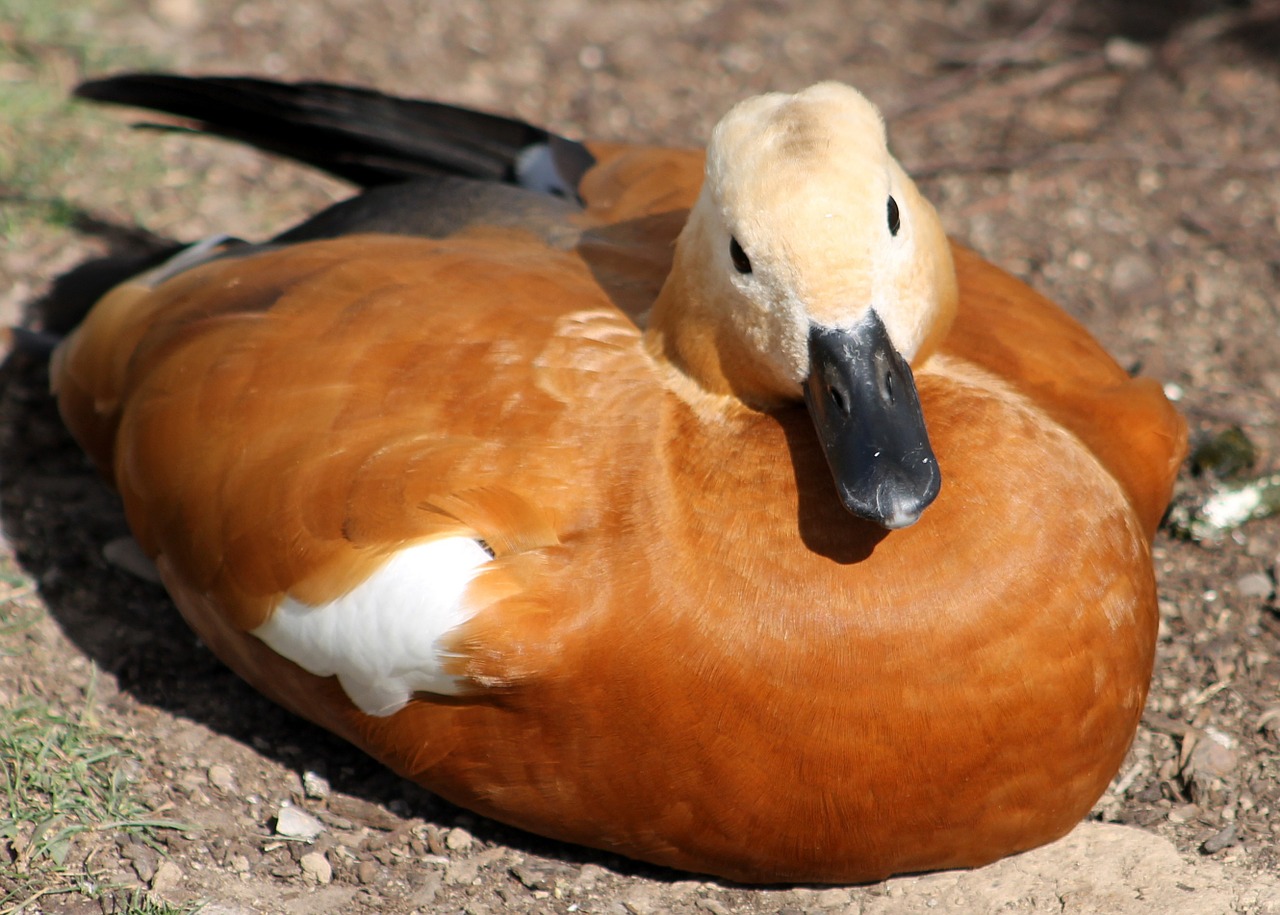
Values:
[(711, 510)]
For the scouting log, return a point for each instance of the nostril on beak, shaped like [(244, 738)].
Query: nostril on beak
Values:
[(838, 400)]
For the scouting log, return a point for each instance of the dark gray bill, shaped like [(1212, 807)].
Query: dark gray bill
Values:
[(863, 401)]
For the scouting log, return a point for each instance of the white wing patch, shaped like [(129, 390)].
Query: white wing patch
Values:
[(382, 638)]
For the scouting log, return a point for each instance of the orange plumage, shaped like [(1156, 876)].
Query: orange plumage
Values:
[(684, 648)]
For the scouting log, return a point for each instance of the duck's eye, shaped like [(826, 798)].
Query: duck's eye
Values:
[(895, 218), (741, 262)]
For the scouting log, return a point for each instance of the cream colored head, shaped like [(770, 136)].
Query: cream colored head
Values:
[(803, 184)]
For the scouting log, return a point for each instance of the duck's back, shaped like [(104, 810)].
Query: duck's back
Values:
[(1019, 335)]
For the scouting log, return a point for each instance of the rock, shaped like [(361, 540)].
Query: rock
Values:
[(1269, 722), (588, 876), (1212, 758), (315, 785), (1255, 584), (366, 872), (1183, 813), (465, 871), (144, 859), (221, 778), (316, 867), (1132, 273), (833, 898), (1221, 840), (531, 878), (642, 900), (167, 878), (363, 812), (126, 555), (293, 823), (1124, 54), (1214, 755), (458, 839)]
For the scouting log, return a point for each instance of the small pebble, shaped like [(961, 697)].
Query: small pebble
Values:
[(168, 876), (1124, 54), (125, 554), (144, 859), (293, 823), (366, 872), (589, 876), (1255, 584), (1183, 814), (316, 866), (315, 785), (1132, 273), (637, 906), (834, 898), (1221, 840), (1214, 755), (533, 879), (458, 839), (1269, 721), (221, 778)]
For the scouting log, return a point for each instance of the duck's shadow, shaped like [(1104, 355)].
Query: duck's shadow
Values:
[(58, 514)]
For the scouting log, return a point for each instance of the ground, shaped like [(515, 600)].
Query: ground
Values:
[(1120, 155)]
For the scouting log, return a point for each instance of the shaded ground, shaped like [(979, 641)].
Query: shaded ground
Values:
[(1121, 156)]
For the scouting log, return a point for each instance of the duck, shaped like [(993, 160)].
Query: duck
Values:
[(710, 508)]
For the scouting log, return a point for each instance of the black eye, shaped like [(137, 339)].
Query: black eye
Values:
[(895, 220), (741, 262)]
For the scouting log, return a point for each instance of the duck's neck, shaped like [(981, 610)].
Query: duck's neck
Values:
[(691, 332)]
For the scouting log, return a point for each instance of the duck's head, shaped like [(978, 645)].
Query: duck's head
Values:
[(812, 267)]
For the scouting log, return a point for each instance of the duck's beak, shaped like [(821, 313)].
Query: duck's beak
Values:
[(863, 401)]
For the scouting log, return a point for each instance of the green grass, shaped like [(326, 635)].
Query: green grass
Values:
[(135, 902), (64, 786), (45, 47)]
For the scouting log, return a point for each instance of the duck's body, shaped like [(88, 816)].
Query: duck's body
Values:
[(649, 623)]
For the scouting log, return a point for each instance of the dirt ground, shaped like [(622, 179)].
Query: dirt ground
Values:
[(1120, 155)]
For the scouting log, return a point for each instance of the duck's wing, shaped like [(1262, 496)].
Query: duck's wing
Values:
[(433, 170), (1128, 423), (282, 424), (364, 136), (374, 139)]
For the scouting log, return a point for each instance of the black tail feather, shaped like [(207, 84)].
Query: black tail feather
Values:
[(361, 135)]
